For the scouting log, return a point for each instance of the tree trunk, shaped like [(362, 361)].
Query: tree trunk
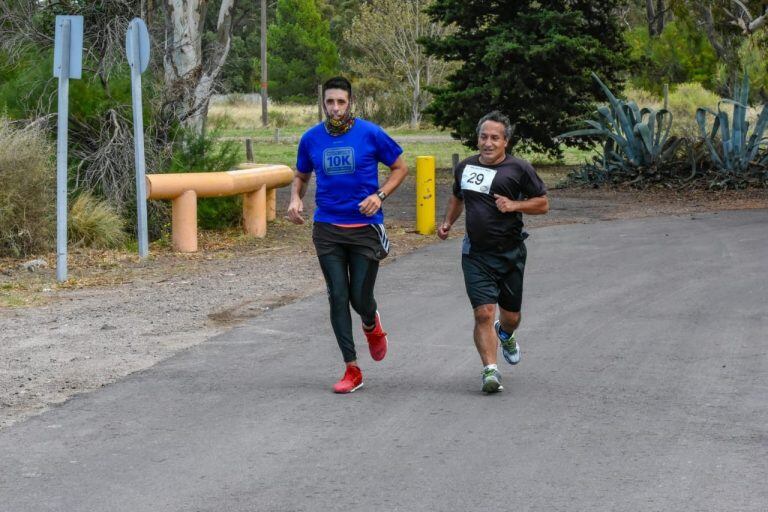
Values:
[(416, 102), (655, 17), (660, 11), (650, 14), (189, 80)]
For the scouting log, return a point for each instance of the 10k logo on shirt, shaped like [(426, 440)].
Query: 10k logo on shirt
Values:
[(339, 160)]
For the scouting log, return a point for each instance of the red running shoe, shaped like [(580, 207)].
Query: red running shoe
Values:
[(377, 340), (352, 380)]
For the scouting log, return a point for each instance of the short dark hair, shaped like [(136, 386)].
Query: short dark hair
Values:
[(499, 118), (338, 82)]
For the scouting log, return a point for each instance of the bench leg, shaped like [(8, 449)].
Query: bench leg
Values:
[(255, 212), (184, 222), (271, 204)]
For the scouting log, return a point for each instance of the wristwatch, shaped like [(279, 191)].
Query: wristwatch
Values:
[(381, 195)]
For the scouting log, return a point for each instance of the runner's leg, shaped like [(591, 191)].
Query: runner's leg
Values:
[(335, 267), (362, 280)]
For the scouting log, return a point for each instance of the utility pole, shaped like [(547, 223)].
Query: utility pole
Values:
[(264, 116)]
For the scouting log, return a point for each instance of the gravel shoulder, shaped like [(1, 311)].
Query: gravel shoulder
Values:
[(118, 315)]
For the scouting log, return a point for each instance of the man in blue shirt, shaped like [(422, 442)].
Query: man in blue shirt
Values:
[(349, 236)]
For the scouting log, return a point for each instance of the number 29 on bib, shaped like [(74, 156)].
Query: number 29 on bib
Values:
[(477, 178)]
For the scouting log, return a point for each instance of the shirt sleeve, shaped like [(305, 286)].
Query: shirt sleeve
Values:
[(303, 157), (387, 150), (531, 184), (457, 181)]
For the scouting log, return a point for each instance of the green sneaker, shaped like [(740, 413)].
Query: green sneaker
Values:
[(510, 349), (492, 381)]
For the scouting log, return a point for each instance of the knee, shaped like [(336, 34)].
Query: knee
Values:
[(485, 314), (509, 320), (338, 297)]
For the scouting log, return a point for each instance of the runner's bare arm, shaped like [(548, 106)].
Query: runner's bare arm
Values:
[(371, 204), (455, 207), (298, 189), (533, 206)]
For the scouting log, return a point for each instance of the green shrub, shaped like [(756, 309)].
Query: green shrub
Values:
[(28, 192), (684, 100), (94, 223), (680, 54), (203, 153)]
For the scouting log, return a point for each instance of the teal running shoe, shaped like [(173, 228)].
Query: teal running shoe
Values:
[(492, 381), (510, 349)]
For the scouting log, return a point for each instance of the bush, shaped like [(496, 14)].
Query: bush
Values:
[(382, 103), (94, 223), (203, 153), (28, 192), (680, 54), (684, 101)]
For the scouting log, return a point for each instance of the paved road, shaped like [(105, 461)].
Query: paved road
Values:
[(643, 386)]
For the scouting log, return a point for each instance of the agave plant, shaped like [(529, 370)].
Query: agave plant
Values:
[(731, 149), (635, 139)]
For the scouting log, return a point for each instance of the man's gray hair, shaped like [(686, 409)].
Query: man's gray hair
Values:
[(499, 118)]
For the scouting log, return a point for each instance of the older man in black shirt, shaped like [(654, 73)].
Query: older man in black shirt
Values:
[(497, 189)]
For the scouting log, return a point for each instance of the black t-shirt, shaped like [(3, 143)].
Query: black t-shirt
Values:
[(487, 227)]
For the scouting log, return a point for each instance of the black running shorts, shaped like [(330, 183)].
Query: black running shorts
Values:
[(370, 240), (495, 277)]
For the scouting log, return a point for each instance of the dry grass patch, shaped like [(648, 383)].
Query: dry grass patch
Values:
[(28, 192)]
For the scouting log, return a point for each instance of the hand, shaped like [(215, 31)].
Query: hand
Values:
[(504, 204), (295, 210), (442, 230), (370, 205)]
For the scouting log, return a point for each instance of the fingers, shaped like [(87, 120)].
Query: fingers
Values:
[(369, 206), (295, 217), (295, 213)]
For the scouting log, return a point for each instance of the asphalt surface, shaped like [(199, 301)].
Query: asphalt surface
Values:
[(643, 386)]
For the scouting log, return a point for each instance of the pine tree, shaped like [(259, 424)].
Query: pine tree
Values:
[(301, 53), (530, 59)]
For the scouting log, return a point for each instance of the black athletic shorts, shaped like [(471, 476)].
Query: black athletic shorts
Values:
[(370, 240), (495, 277)]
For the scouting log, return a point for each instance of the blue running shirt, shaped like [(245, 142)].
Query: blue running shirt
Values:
[(347, 169)]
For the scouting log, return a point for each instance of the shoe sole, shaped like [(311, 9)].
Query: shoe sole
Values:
[(350, 391), (510, 362), (386, 342), (386, 346), (492, 387), (496, 326)]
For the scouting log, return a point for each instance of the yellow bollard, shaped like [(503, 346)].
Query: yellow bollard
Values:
[(425, 195)]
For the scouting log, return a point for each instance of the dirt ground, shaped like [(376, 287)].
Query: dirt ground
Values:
[(117, 315)]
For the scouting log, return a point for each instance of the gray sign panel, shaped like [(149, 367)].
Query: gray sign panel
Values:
[(138, 26), (75, 46)]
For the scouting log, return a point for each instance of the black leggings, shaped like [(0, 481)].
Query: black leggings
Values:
[(350, 278)]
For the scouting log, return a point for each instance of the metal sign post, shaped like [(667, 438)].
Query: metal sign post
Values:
[(137, 51), (67, 63)]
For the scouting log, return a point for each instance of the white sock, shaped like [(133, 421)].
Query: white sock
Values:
[(491, 367)]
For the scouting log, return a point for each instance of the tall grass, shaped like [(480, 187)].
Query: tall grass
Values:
[(94, 223), (243, 115), (684, 99), (27, 191)]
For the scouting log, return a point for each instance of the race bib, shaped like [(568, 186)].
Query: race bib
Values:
[(477, 178)]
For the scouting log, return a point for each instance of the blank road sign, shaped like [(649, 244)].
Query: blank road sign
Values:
[(75, 46), (138, 25)]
